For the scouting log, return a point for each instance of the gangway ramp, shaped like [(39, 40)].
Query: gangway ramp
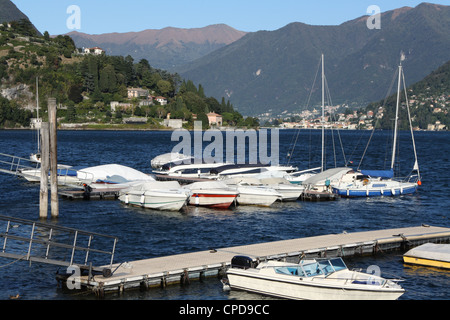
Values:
[(27, 240), (30, 170)]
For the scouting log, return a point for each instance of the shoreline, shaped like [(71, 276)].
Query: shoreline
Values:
[(131, 128)]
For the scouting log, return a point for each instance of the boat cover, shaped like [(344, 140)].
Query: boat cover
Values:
[(431, 251), (251, 181), (207, 185), (172, 157), (335, 173), (379, 173), (108, 171), (154, 185)]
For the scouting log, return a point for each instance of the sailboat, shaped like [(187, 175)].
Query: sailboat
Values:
[(315, 191), (369, 183)]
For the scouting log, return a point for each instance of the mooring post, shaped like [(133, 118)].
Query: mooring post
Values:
[(43, 196), (53, 157)]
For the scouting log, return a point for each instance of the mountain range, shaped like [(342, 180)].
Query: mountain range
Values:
[(166, 48), (273, 71)]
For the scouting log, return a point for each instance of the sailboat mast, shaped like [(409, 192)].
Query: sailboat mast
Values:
[(394, 145), (323, 112), (37, 113)]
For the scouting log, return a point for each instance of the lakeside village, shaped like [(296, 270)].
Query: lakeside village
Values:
[(336, 117), (343, 117)]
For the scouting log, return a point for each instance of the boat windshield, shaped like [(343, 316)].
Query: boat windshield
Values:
[(332, 265), (312, 269)]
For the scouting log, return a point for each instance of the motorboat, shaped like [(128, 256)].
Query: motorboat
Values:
[(288, 191), (319, 186), (158, 195), (111, 176), (67, 175), (213, 194), (297, 177), (248, 170), (171, 157), (429, 254), (179, 165), (316, 279), (252, 192)]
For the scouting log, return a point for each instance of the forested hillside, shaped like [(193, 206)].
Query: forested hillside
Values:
[(428, 100), (85, 84)]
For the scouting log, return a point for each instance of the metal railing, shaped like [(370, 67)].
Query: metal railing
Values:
[(47, 243)]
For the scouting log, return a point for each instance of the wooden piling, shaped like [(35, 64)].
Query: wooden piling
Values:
[(43, 197), (53, 157)]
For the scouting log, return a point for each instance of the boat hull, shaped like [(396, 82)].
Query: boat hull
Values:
[(389, 191), (256, 197), (304, 290), (219, 200), (155, 200)]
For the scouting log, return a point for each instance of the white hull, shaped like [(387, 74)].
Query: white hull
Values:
[(288, 193), (158, 200), (258, 196), (320, 279), (284, 287), (34, 175)]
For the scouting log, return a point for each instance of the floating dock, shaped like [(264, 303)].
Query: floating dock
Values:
[(214, 262), (98, 194)]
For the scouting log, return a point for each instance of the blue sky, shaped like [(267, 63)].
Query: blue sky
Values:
[(103, 16)]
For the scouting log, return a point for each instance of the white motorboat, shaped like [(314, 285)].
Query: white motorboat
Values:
[(227, 171), (67, 175), (179, 165), (168, 158), (288, 191), (327, 279), (111, 176), (252, 192), (158, 195), (213, 194), (298, 177)]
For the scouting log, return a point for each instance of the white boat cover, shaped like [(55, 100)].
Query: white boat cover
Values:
[(330, 174), (207, 185), (251, 181), (113, 173), (274, 180), (431, 251), (165, 158), (154, 185)]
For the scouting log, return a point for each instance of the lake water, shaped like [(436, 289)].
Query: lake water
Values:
[(145, 233)]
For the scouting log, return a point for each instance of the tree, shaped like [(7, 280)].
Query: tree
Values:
[(164, 87)]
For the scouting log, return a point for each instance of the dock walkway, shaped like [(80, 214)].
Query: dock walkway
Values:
[(196, 265)]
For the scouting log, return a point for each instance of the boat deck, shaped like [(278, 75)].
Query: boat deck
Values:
[(196, 265)]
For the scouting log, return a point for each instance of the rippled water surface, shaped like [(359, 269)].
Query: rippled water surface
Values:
[(146, 233)]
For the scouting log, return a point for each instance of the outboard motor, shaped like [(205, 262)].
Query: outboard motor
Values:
[(243, 262)]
